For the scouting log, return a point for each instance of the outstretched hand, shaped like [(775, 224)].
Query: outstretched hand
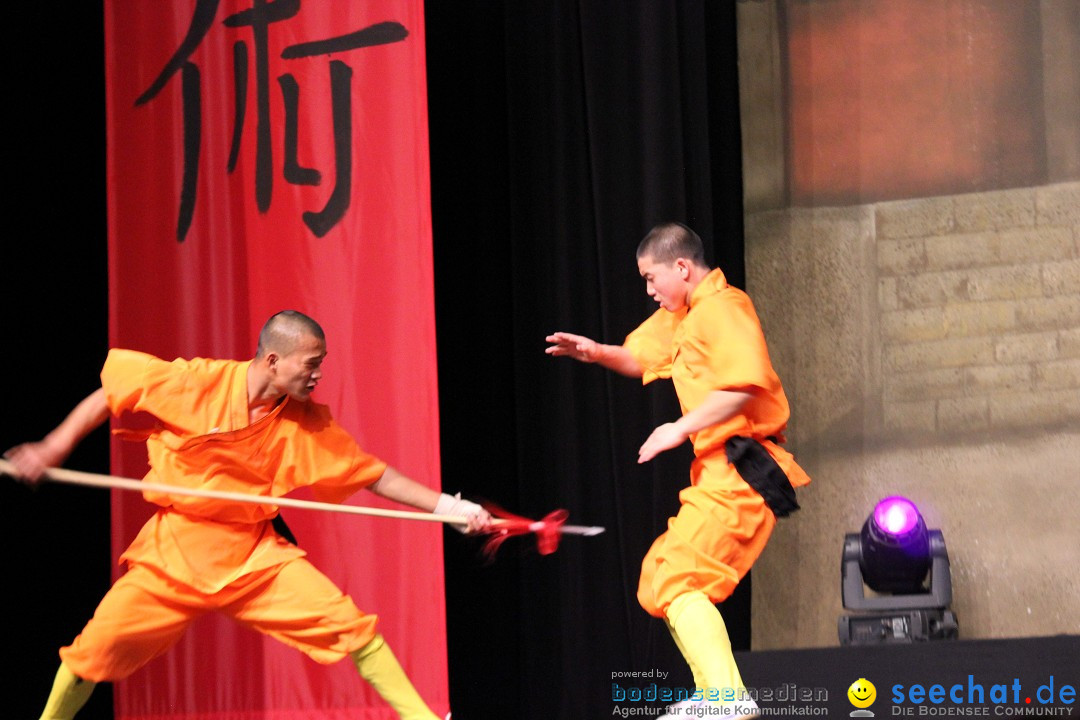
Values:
[(573, 346), (479, 518), (32, 460), (664, 437)]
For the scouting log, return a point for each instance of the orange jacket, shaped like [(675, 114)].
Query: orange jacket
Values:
[(203, 439), (716, 344)]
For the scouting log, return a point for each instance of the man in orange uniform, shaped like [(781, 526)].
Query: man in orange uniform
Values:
[(231, 426), (707, 339)]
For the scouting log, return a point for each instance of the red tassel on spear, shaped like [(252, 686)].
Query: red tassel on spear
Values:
[(548, 530)]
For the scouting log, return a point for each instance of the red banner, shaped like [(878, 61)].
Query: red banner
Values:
[(265, 155)]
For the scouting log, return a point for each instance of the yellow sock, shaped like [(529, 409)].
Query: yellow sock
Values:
[(705, 643), (377, 664), (699, 680), (69, 694)]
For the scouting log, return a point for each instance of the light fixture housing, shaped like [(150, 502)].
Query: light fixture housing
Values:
[(906, 566)]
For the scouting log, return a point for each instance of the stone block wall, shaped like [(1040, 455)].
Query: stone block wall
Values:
[(979, 300), (929, 348)]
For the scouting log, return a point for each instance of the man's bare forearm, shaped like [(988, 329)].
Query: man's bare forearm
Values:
[(399, 488), (718, 406), (583, 349), (80, 422), (33, 459), (619, 359)]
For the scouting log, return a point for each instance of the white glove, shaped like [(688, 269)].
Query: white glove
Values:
[(453, 505)]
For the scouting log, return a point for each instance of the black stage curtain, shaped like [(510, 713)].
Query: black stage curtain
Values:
[(560, 133), (55, 300)]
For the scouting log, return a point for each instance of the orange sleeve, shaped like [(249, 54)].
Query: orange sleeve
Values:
[(727, 351), (191, 397), (651, 344), (337, 487), (325, 457), (300, 445), (122, 379)]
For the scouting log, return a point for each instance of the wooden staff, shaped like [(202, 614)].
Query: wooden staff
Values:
[(74, 477)]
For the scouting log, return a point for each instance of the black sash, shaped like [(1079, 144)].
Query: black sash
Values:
[(760, 471), (282, 529)]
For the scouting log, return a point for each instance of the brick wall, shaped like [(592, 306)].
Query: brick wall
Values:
[(979, 303), (929, 348)]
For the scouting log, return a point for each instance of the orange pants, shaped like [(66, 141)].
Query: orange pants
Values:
[(146, 613), (717, 535)]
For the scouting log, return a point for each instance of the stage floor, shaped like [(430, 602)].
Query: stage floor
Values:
[(1025, 677)]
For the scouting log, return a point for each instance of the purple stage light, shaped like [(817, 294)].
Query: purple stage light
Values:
[(897, 557), (895, 548), (896, 515)]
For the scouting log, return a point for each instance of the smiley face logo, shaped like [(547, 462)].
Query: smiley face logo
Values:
[(862, 693)]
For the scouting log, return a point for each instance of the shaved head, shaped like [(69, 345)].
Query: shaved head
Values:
[(282, 333), (668, 242)]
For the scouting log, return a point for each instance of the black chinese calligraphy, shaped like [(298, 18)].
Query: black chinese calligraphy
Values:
[(260, 18)]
